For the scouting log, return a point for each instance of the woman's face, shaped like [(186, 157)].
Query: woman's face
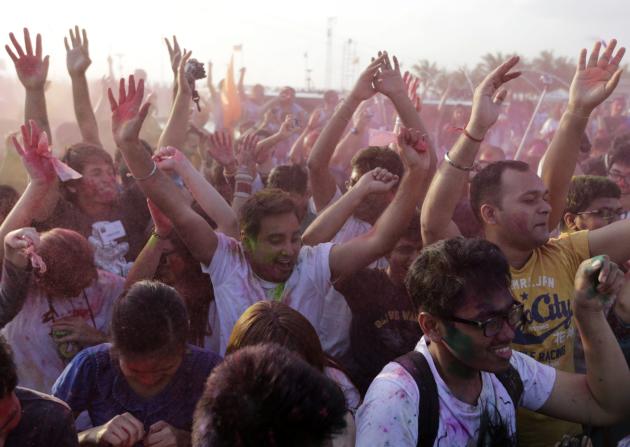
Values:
[(149, 374)]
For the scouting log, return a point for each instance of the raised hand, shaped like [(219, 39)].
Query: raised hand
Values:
[(597, 281), (595, 80), (20, 246), (36, 154), (77, 54), (413, 149), (183, 86), (174, 53), (221, 149), (163, 225), (388, 79), (364, 87), (377, 180), (246, 154), (31, 69), (128, 113), (411, 84), (489, 96), (170, 159), (288, 126)]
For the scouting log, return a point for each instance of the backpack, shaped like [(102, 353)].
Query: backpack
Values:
[(429, 412)]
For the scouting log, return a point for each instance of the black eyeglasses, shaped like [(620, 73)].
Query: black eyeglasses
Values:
[(492, 326), (608, 214)]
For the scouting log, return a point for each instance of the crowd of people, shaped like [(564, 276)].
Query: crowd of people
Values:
[(257, 271)]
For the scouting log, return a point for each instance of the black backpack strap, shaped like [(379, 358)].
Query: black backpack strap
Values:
[(429, 412), (513, 384)]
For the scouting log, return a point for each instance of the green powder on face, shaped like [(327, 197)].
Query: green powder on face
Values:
[(459, 342)]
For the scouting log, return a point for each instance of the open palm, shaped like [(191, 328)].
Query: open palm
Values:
[(596, 80)]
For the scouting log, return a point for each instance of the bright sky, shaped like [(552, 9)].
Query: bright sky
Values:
[(275, 34)]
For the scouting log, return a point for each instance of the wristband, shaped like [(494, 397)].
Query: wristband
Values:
[(456, 166), (148, 176), (246, 178), (476, 140), (242, 194), (243, 187), (155, 234)]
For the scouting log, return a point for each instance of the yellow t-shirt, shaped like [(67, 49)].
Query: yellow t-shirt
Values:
[(545, 286)]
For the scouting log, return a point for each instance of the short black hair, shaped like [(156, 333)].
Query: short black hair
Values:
[(446, 272), (150, 317), (8, 371), (264, 396), (583, 189), (485, 187), (289, 178), (266, 202), (374, 157)]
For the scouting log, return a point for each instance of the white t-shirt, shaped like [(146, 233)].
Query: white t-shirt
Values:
[(352, 395), (389, 413), (36, 354), (236, 286)]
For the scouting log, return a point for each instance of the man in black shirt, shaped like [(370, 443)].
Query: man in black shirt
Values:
[(384, 321)]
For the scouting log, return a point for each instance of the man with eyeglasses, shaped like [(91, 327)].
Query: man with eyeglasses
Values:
[(517, 208), (594, 202), (468, 314)]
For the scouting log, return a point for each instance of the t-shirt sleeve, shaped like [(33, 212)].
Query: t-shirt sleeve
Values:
[(318, 262), (538, 380), (226, 258), (75, 383), (388, 415), (577, 249)]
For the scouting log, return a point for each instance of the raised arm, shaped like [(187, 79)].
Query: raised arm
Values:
[(321, 179), (41, 194), (602, 396), (32, 71), (451, 177), (330, 221), (15, 273), (296, 154), (593, 82), (211, 202), (78, 61), (174, 133), (349, 257), (175, 56), (246, 171), (128, 114), (146, 264)]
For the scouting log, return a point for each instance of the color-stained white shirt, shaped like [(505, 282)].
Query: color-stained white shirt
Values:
[(236, 286), (389, 413)]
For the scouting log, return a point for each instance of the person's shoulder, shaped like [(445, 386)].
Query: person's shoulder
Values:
[(565, 243), (200, 355), (393, 380), (29, 397)]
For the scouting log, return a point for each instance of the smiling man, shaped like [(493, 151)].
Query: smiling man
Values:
[(463, 383), (29, 418)]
